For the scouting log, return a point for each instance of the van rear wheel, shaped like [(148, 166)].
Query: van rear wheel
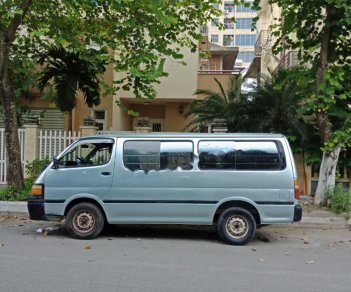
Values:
[(84, 221), (236, 226)]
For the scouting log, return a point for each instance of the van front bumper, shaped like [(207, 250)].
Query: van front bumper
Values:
[(297, 213), (36, 208)]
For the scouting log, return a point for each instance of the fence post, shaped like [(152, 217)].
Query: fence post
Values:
[(88, 130), (31, 143)]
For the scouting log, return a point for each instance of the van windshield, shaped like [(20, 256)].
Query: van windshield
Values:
[(88, 153)]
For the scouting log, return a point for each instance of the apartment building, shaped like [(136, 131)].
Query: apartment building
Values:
[(235, 34)]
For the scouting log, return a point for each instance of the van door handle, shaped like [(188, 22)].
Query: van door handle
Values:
[(106, 173)]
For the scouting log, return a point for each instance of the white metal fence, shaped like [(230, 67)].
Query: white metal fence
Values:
[(52, 142), (3, 154)]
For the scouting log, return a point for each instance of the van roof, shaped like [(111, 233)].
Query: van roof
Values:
[(185, 135)]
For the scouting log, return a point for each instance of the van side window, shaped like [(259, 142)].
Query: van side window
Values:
[(245, 155), (87, 154), (158, 155), (257, 156), (217, 155)]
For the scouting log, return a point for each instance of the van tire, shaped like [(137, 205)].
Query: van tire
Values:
[(84, 221), (236, 226)]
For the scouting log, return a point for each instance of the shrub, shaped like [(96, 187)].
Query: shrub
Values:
[(33, 169), (8, 193), (340, 200)]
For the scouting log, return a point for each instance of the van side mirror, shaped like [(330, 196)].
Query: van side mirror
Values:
[(56, 162)]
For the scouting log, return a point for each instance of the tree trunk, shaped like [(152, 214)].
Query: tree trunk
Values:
[(7, 37), (326, 181), (14, 164)]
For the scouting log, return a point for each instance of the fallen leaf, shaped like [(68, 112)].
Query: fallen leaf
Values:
[(45, 234), (260, 260), (310, 263), (253, 249), (306, 242), (87, 247)]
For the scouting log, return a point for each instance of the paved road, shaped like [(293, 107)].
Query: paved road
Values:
[(147, 258)]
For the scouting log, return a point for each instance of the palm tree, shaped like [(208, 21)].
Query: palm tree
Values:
[(275, 106), (70, 73), (230, 104)]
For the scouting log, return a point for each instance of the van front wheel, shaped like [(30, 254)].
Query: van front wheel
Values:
[(236, 226), (84, 221)]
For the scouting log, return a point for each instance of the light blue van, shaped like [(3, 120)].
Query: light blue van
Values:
[(235, 181)]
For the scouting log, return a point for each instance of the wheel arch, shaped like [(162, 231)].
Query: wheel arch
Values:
[(85, 200), (237, 203)]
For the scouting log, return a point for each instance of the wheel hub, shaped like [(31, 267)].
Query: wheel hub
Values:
[(236, 227), (83, 222)]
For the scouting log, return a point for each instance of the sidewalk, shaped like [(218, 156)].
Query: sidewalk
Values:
[(311, 217)]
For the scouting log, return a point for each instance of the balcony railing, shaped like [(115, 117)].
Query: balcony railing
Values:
[(209, 71), (290, 60), (263, 43)]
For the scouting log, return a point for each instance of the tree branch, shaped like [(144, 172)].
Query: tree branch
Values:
[(16, 21)]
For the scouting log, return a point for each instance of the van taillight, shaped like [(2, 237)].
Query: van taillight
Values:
[(296, 189)]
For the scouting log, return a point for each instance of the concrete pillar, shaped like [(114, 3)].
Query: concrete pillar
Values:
[(88, 130), (31, 143)]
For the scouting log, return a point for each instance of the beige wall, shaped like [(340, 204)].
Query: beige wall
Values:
[(207, 81), (175, 121), (181, 81)]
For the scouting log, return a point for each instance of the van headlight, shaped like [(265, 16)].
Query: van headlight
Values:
[(37, 190)]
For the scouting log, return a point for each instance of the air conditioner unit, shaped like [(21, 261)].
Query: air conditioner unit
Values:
[(238, 62)]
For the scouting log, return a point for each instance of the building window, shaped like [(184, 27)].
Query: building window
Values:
[(215, 6), (242, 8), (214, 38), (245, 40), (214, 22), (246, 56), (229, 6), (228, 23), (100, 119), (204, 29), (228, 40), (243, 23)]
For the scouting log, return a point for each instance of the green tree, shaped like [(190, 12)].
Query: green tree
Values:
[(142, 32), (320, 32), (70, 73), (229, 104)]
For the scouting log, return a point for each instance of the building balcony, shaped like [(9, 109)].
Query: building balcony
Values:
[(263, 43), (289, 60)]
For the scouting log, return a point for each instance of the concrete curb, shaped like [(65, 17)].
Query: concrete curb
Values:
[(321, 222), (13, 207)]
